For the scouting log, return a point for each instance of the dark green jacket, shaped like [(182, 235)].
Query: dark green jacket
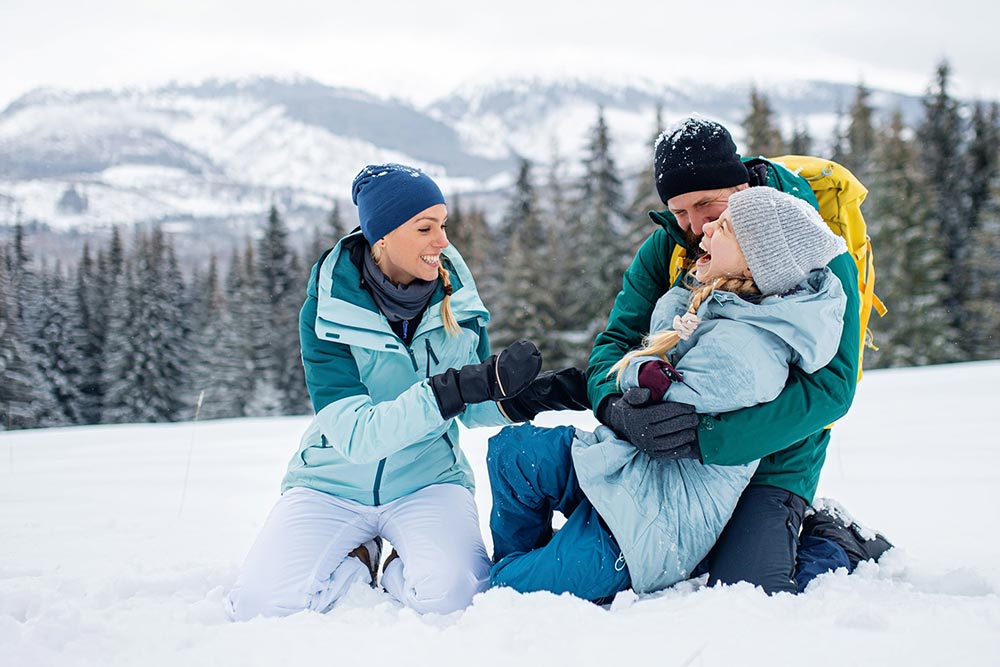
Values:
[(788, 434)]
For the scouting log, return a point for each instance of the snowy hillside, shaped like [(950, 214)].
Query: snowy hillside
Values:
[(225, 150), (118, 543)]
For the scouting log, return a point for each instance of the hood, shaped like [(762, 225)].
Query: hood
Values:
[(800, 318)]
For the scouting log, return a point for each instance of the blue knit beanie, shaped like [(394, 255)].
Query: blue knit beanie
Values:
[(387, 195)]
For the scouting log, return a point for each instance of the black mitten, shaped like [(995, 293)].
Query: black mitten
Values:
[(661, 430), (501, 376), (565, 389)]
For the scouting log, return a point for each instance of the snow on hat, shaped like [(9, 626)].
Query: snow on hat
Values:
[(782, 237), (696, 154), (387, 195)]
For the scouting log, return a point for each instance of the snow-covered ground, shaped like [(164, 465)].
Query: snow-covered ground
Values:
[(107, 557)]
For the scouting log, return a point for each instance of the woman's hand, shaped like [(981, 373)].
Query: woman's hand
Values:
[(501, 376)]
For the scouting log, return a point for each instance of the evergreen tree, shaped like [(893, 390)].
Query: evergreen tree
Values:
[(21, 400), (597, 243), (801, 142), (523, 308), (58, 342), (220, 362), (860, 134), (122, 358), (280, 281), (146, 351), (645, 198), (91, 303), (762, 134), (909, 258), (982, 327), (942, 144), (469, 233)]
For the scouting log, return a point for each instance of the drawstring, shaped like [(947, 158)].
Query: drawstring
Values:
[(621, 559)]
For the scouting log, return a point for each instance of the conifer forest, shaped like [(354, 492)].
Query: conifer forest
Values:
[(125, 334)]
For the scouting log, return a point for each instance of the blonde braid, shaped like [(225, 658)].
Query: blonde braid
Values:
[(657, 344), (450, 324)]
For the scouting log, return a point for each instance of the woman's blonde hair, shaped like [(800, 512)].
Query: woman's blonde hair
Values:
[(658, 343), (450, 323)]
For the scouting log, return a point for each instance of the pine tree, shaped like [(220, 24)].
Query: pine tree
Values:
[(762, 134), (145, 350), (909, 258), (469, 233), (21, 399), (597, 243), (523, 308), (645, 198), (942, 145), (281, 281), (860, 134), (58, 341), (220, 352), (801, 142), (91, 303), (982, 326)]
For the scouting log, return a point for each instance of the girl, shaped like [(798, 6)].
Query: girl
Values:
[(764, 301), (394, 345)]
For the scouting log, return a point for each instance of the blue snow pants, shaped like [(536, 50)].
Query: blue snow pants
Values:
[(761, 545), (531, 474)]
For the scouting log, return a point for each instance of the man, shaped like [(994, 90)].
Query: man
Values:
[(697, 168)]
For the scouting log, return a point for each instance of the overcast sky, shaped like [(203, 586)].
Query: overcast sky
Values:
[(422, 48)]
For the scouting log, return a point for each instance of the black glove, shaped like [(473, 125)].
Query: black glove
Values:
[(501, 376), (662, 430), (565, 389)]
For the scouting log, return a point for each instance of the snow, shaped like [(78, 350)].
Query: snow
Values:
[(107, 557)]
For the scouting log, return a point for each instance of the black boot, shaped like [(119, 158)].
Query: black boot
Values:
[(829, 520)]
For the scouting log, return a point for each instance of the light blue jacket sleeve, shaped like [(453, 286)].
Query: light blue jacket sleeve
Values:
[(734, 366), (363, 432)]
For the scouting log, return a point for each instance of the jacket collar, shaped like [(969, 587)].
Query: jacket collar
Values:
[(347, 313)]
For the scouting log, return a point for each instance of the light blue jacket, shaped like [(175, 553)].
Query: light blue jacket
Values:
[(378, 434), (667, 514)]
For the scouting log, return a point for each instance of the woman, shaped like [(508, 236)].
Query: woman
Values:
[(395, 349), (764, 301)]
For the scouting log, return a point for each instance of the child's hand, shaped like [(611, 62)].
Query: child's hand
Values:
[(657, 376), (685, 324)]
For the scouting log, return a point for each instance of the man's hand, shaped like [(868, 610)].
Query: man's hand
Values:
[(661, 430)]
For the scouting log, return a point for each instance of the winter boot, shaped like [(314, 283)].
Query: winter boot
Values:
[(829, 520), (370, 553)]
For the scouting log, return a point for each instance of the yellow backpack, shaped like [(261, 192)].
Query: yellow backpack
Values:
[(840, 195)]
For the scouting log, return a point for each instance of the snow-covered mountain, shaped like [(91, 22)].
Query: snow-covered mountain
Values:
[(226, 150)]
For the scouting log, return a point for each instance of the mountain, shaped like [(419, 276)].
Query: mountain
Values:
[(226, 150)]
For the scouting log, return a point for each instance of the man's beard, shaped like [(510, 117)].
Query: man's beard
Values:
[(693, 243)]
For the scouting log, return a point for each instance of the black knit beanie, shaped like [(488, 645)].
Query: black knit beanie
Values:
[(696, 154)]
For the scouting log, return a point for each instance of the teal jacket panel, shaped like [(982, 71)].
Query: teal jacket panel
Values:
[(378, 434)]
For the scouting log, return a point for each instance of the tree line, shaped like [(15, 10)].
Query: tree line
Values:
[(124, 336)]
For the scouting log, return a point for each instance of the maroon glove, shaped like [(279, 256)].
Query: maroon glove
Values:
[(657, 376)]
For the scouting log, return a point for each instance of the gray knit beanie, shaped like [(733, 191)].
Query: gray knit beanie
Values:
[(782, 237)]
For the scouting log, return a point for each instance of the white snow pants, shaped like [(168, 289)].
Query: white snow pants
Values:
[(299, 561)]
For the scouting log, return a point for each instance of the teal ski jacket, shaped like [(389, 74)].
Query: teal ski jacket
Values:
[(378, 434)]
